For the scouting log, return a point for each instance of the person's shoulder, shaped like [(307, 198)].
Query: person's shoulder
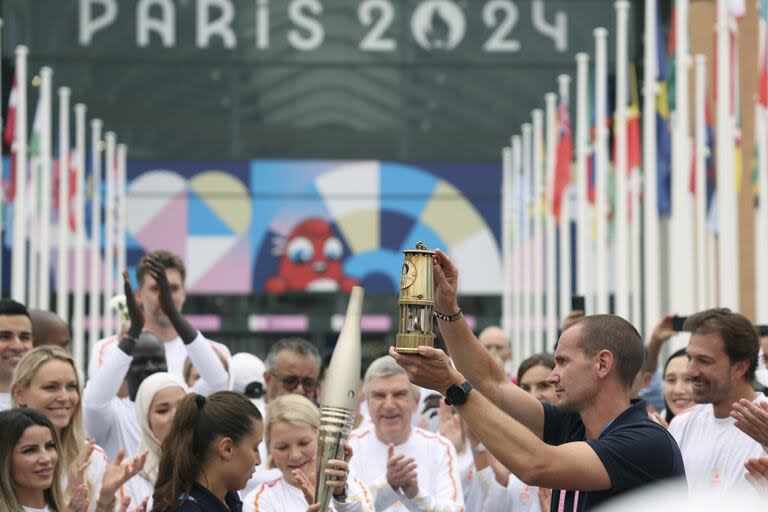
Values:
[(102, 348), (259, 492), (690, 415), (362, 433), (436, 442)]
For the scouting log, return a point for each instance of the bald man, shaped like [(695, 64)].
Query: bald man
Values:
[(496, 342), (49, 329)]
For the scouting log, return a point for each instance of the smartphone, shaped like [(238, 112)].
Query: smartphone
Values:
[(678, 322), (578, 303)]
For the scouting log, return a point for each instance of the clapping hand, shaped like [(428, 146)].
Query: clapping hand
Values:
[(752, 419), (135, 313), (400, 469), (165, 297), (119, 472), (127, 501), (757, 474), (76, 470), (78, 501)]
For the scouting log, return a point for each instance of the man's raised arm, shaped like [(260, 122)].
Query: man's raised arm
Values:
[(471, 358)]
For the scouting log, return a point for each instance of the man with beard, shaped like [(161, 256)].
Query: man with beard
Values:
[(594, 445), (722, 359)]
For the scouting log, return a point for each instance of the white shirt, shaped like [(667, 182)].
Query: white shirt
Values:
[(437, 471), (280, 496), (212, 374), (30, 509), (137, 488), (112, 420), (517, 496), (5, 401), (475, 484), (713, 449)]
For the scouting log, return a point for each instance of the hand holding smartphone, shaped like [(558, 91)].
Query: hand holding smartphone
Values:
[(678, 323)]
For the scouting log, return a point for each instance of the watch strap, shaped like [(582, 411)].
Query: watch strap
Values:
[(447, 318)]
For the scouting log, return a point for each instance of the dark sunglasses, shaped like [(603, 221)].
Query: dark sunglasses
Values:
[(291, 382)]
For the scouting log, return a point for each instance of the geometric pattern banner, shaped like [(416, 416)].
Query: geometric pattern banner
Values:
[(289, 226)]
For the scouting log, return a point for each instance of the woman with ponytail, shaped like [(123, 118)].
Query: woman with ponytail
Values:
[(209, 454)]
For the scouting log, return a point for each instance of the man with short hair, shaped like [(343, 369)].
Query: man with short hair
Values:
[(404, 467), (48, 328), (293, 366), (161, 299), (108, 410), (15, 341), (722, 358), (497, 342), (594, 445)]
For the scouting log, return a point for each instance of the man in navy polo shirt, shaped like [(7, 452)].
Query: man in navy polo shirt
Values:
[(594, 445)]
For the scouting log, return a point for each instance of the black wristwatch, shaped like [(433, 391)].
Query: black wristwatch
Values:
[(457, 394)]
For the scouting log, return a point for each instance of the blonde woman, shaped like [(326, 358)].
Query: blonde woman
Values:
[(291, 437), (158, 398), (46, 381)]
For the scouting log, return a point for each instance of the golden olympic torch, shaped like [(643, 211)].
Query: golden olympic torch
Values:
[(339, 399), (417, 300)]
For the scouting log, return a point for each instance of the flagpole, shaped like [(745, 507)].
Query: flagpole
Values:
[(761, 132), (700, 138), (552, 129), (19, 254), (564, 84), (635, 192), (537, 198), (651, 250), (122, 151), (62, 265), (601, 168), (109, 231), (506, 241), (78, 317), (620, 131), (94, 303), (527, 244), (726, 194), (32, 208), (681, 283), (517, 272), (46, 144), (583, 228), (2, 179)]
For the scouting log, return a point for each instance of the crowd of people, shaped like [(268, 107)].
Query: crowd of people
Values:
[(168, 420)]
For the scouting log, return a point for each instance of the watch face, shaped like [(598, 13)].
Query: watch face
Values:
[(408, 276)]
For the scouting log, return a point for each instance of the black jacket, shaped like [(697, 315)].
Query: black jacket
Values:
[(202, 500)]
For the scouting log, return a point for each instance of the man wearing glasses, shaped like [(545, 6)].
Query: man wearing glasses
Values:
[(293, 366)]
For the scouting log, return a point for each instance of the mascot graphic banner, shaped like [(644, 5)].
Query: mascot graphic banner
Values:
[(314, 226)]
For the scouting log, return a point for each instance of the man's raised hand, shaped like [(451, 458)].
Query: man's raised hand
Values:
[(135, 313)]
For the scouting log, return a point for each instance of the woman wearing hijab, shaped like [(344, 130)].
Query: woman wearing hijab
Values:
[(156, 402)]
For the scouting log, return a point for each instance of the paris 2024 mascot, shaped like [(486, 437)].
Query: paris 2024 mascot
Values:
[(310, 260)]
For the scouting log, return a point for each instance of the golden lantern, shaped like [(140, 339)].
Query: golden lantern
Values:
[(417, 300)]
